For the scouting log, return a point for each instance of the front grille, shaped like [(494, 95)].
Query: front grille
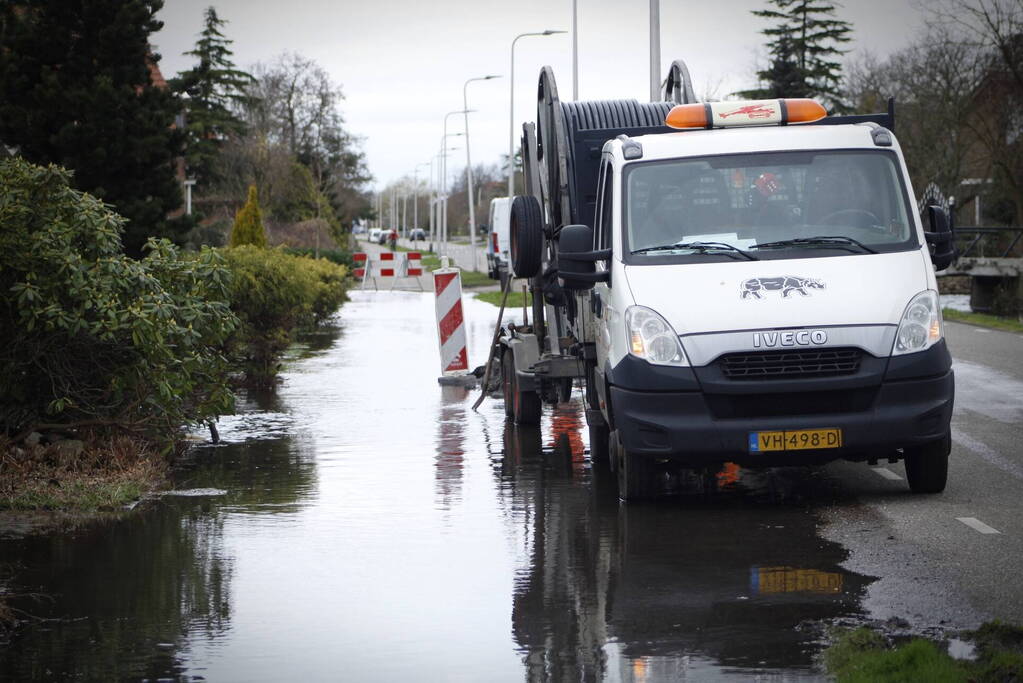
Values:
[(790, 363)]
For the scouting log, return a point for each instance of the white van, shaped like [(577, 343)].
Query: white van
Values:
[(764, 294), (498, 242)]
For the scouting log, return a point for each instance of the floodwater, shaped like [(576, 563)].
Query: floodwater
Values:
[(363, 524)]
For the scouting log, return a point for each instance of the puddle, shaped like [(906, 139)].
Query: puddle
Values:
[(363, 519)]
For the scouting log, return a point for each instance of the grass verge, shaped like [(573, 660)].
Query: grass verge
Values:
[(104, 474), (863, 655), (983, 319), (516, 299)]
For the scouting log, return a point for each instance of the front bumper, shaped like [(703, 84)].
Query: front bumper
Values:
[(701, 426)]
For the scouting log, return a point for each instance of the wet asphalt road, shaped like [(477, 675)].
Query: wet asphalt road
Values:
[(362, 523), (957, 557)]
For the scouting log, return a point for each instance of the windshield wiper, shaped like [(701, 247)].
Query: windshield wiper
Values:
[(702, 248), (826, 241)]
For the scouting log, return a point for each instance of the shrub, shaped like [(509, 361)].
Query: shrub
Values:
[(341, 257), (274, 294), (248, 223), (90, 337)]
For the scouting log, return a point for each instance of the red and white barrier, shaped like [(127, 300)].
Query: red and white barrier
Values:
[(412, 264), (447, 287), (385, 264), (388, 264), (409, 266)]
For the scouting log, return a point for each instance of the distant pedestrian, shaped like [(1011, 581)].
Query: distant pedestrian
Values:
[(392, 240)]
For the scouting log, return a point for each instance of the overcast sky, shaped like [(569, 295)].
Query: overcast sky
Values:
[(402, 63)]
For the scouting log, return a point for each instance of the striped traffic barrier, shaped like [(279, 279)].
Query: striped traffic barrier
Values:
[(409, 266), (361, 270), (447, 287)]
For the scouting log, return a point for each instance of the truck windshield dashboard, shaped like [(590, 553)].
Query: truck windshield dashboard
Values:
[(846, 200)]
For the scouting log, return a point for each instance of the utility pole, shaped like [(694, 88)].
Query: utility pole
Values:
[(575, 51), (655, 50)]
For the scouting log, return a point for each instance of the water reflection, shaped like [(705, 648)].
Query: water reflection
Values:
[(700, 585), (126, 598), (450, 445)]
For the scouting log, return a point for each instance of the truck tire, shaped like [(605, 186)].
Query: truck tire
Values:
[(526, 231), (927, 466), (527, 405), (636, 474), (507, 370)]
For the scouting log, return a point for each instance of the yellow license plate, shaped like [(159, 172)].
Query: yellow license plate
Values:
[(794, 440)]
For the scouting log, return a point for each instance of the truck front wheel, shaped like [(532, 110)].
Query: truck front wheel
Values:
[(636, 474), (927, 466)]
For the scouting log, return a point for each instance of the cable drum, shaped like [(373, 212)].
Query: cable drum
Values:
[(570, 137)]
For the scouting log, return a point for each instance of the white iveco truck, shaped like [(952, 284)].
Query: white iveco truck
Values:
[(738, 282)]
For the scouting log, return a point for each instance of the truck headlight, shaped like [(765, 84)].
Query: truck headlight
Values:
[(651, 338), (921, 326)]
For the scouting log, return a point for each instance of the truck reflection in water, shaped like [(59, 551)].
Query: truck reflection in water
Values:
[(700, 584)]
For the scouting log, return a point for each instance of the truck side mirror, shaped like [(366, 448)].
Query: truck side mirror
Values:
[(941, 238), (576, 258)]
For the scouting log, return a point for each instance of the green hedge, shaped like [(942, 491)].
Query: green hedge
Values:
[(340, 257), (274, 294)]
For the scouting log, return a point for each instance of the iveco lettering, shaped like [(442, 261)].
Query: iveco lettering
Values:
[(743, 282)]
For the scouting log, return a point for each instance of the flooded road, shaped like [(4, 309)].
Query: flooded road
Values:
[(364, 524)]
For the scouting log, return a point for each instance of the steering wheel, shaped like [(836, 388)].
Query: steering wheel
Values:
[(873, 220)]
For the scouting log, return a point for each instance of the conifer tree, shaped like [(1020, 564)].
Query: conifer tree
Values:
[(77, 89), (213, 86), (248, 223), (804, 44)]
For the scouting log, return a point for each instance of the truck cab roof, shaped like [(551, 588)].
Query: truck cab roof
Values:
[(750, 139)]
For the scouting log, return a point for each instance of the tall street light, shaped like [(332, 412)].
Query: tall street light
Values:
[(444, 165), (468, 169), (442, 184), (511, 119), (655, 50), (415, 195)]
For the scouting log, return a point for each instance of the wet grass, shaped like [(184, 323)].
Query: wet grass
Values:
[(864, 655), (516, 299), (983, 319), (107, 475)]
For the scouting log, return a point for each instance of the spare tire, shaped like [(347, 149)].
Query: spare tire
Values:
[(526, 230)]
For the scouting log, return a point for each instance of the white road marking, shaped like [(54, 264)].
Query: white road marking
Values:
[(886, 473), (981, 330), (978, 525)]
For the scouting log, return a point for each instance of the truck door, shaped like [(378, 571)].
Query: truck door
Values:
[(602, 238)]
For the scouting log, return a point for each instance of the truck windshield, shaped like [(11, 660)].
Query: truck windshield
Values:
[(783, 201)]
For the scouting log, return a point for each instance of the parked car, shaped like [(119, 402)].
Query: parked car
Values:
[(417, 234), (374, 235)]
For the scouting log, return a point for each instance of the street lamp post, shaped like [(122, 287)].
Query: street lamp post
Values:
[(511, 119), (415, 196), (655, 50), (468, 169), (436, 200), (444, 181)]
